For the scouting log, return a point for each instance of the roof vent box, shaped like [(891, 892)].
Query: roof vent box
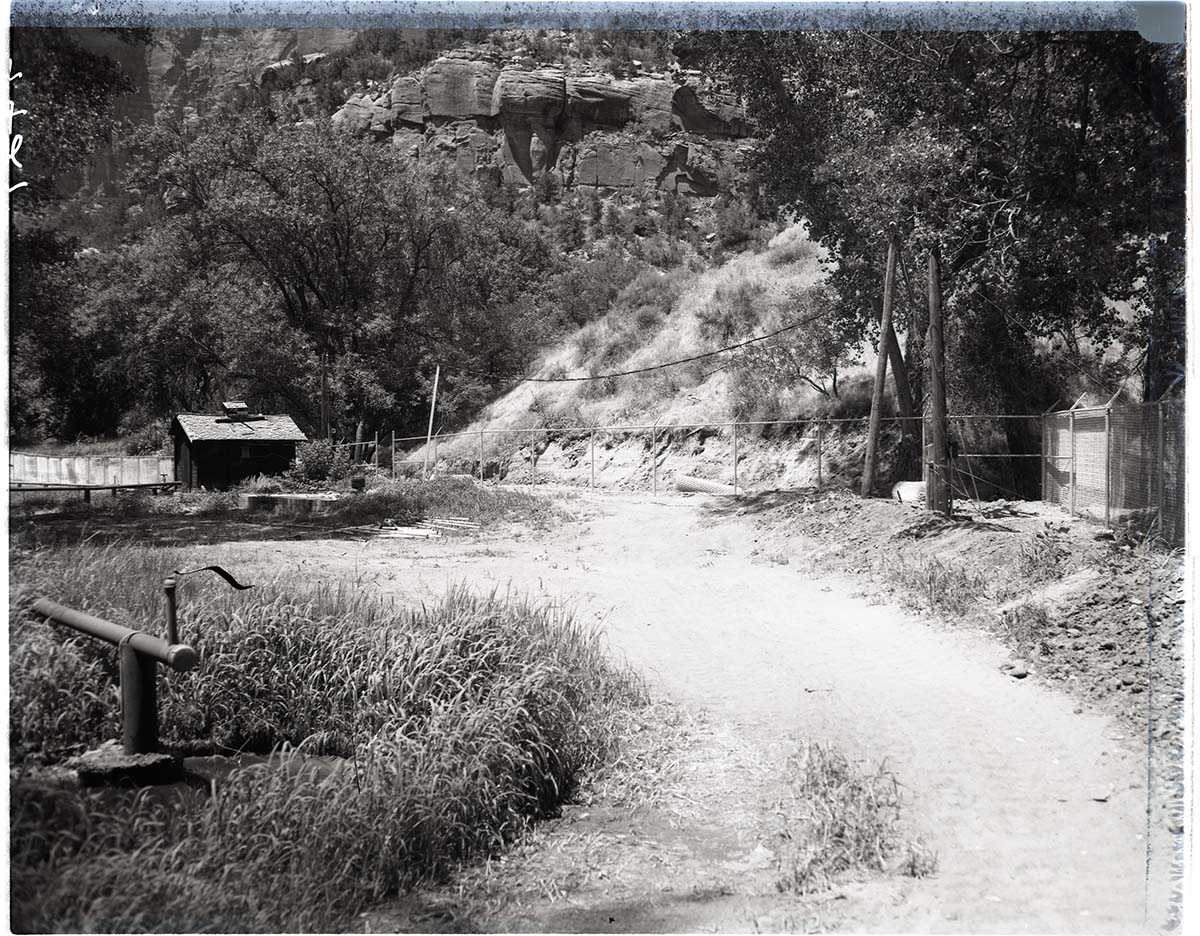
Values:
[(237, 411)]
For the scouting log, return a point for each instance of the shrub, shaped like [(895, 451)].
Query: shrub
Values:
[(320, 461), (261, 484), (794, 250), (737, 228), (734, 310), (144, 435)]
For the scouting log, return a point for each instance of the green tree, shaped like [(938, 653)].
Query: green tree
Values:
[(63, 99), (1048, 168), (306, 241)]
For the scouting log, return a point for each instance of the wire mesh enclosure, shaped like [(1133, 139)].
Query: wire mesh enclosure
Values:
[(1121, 465)]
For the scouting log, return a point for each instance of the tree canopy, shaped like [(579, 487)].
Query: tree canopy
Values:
[(1048, 169), (280, 244)]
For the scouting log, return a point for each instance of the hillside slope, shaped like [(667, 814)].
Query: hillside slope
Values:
[(665, 317)]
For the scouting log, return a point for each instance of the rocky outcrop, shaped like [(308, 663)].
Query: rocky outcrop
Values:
[(493, 114), (512, 122), (459, 87)]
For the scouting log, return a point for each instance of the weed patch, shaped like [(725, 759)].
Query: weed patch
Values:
[(930, 584), (1041, 557), (1026, 630), (842, 820)]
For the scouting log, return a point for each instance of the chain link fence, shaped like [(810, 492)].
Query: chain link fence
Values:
[(1123, 465), (991, 456)]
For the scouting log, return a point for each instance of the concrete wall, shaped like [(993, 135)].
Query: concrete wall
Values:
[(89, 469)]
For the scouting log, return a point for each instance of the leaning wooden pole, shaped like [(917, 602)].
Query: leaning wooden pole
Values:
[(937, 493), (904, 395), (885, 328), (432, 407)]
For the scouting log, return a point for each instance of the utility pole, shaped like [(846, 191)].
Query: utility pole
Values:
[(885, 328), (326, 432), (937, 492), (432, 406)]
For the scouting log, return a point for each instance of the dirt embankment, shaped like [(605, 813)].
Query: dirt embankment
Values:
[(1113, 609)]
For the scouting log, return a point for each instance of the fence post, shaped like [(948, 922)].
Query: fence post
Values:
[(1074, 474), (1107, 466), (654, 460), (375, 451), (533, 459), (1162, 470), (393, 454), (481, 456), (735, 458), (592, 447), (819, 433), (1045, 460)]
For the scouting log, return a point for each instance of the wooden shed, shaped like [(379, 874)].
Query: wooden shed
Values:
[(216, 452)]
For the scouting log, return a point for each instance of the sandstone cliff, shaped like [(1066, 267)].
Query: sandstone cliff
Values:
[(513, 122), (497, 115)]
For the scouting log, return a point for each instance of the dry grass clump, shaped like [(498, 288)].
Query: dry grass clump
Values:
[(928, 583), (735, 310), (1026, 630), (461, 722), (1041, 557), (841, 821)]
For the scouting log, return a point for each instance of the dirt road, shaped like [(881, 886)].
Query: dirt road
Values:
[(1037, 811)]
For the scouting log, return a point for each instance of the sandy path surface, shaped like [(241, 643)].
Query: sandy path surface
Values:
[(1003, 777)]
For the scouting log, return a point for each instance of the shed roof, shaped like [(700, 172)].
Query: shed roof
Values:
[(200, 427)]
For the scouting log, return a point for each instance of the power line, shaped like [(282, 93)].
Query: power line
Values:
[(696, 357)]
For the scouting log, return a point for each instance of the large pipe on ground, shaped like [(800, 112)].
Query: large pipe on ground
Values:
[(700, 486)]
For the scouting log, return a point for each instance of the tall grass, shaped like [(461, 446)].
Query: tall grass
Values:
[(461, 721)]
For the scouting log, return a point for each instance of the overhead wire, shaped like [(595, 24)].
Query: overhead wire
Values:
[(521, 378)]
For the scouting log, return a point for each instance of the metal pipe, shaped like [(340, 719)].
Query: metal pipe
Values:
[(592, 446), (480, 456), (179, 657), (172, 623), (139, 699)]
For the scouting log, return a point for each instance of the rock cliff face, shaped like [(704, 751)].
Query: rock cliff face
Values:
[(503, 121), (494, 115), (188, 72)]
